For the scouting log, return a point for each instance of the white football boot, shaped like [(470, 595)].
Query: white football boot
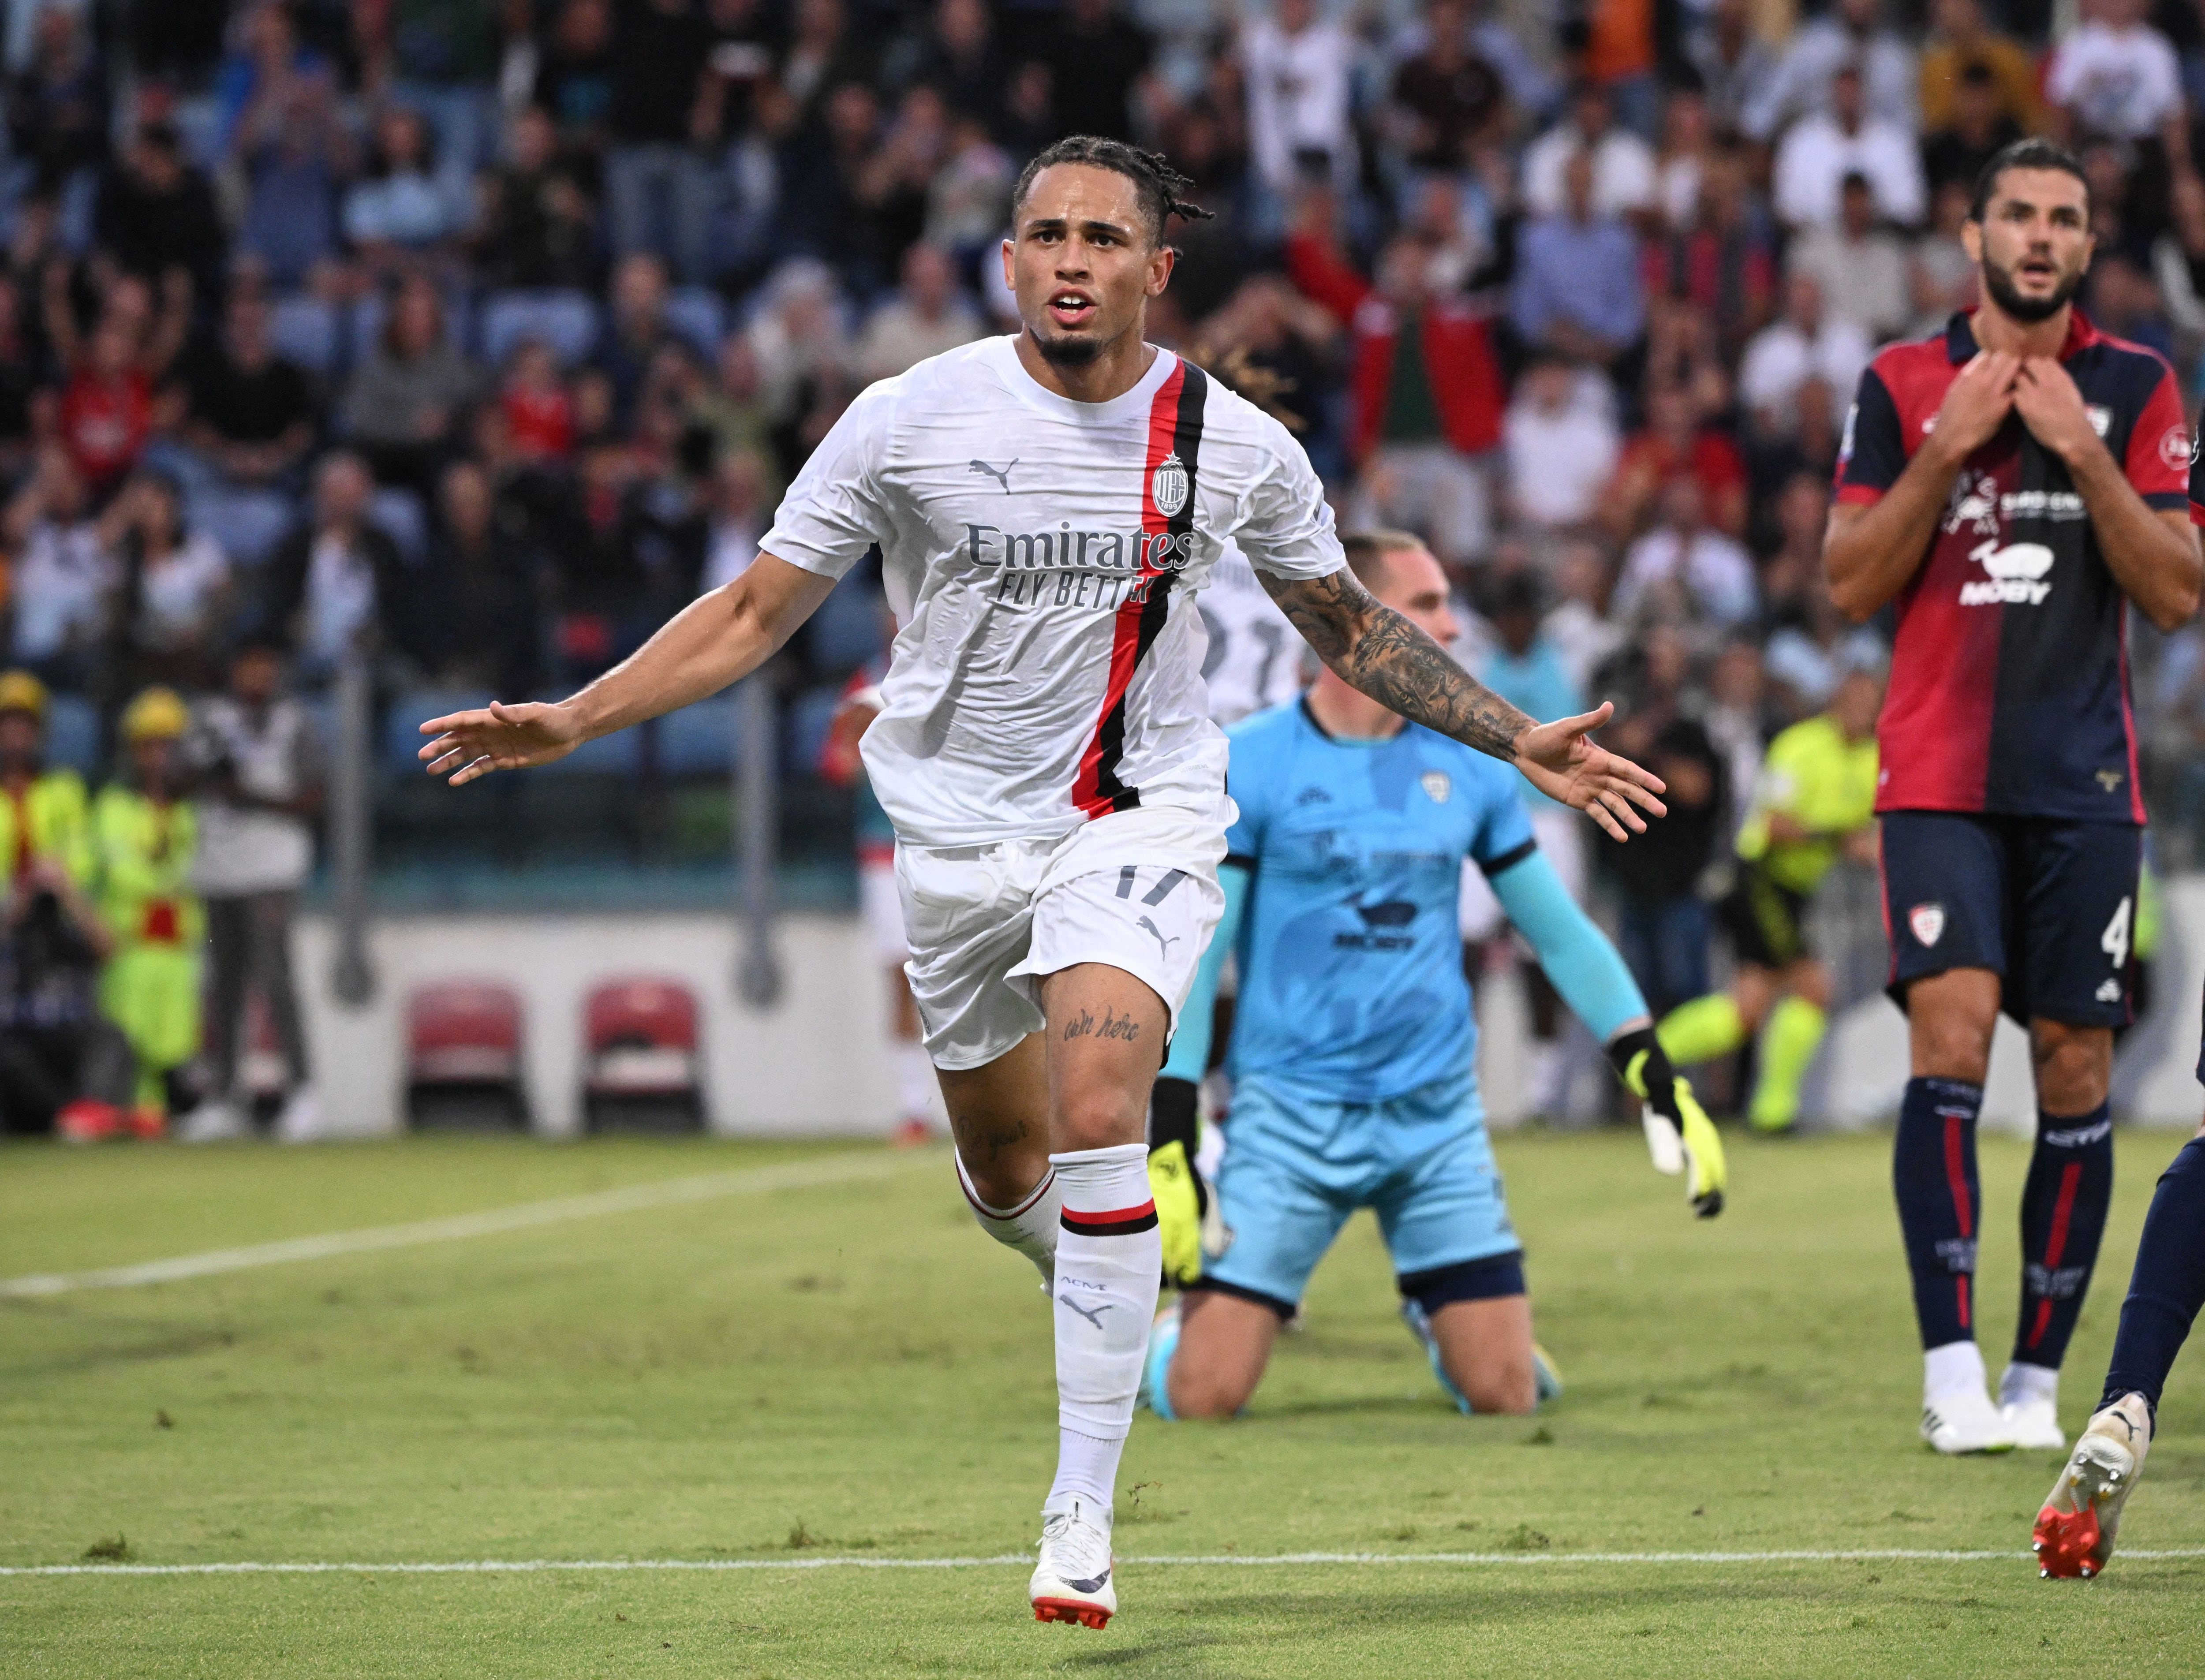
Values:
[(1964, 1420), (2034, 1425), (300, 1122), (1071, 1582), (2075, 1530), (219, 1119)]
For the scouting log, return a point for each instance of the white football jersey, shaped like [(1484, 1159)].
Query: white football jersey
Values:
[(1254, 657), (1042, 555)]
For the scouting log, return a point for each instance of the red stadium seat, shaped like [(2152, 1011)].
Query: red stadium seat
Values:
[(643, 1066), (463, 1054)]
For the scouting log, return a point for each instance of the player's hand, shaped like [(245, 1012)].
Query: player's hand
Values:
[(1560, 760), (1176, 1186), (1680, 1136), (467, 746), (1977, 403), (2051, 408)]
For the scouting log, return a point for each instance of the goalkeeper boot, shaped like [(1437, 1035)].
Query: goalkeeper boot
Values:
[(1546, 1376), (1155, 1369), (1072, 1581), (2074, 1533)]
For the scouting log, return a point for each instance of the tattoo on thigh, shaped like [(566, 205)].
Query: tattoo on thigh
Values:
[(1111, 1025), (1009, 1135)]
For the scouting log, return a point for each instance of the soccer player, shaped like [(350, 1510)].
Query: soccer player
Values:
[(1815, 797), (1045, 505), (1354, 1043), (2009, 487)]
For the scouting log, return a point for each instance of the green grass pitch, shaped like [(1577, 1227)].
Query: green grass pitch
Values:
[(851, 1371)]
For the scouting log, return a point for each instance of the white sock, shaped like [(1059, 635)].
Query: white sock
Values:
[(1109, 1260), (1031, 1227), (914, 1080), (2022, 1383), (1954, 1369)]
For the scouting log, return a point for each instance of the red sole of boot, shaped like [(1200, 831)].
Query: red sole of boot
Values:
[(2064, 1544), (1070, 1610)]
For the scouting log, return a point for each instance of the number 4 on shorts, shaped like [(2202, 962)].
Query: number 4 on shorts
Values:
[(2115, 941)]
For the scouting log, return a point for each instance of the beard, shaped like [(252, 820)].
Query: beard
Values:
[(1068, 351), (1998, 283)]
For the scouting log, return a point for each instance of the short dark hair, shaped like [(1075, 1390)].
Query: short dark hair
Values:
[(2032, 153), (1158, 183)]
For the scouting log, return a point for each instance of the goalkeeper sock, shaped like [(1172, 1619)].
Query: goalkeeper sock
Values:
[(1795, 1033), (1108, 1259), (1031, 1227), (1702, 1030), (2063, 1218), (1933, 1171), (2168, 1285)]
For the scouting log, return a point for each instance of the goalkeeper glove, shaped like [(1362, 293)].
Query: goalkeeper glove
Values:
[(1181, 1197), (1679, 1133)]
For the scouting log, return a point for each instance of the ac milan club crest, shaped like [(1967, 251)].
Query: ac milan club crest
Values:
[(1168, 486), (1928, 923)]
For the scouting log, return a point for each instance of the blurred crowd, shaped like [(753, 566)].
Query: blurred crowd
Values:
[(474, 337)]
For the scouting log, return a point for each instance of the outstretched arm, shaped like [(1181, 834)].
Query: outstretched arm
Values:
[(1378, 652), (713, 641)]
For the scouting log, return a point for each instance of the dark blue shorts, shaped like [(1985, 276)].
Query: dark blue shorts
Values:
[(2047, 906)]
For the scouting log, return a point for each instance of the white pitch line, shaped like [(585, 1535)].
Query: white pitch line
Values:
[(1021, 1560), (490, 1222)]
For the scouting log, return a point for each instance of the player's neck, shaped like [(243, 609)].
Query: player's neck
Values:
[(1997, 331), (1346, 715), (1113, 373)]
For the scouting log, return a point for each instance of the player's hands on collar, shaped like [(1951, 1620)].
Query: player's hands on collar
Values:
[(2051, 406)]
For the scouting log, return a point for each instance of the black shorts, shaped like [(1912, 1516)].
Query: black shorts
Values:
[(1766, 922), (2048, 905)]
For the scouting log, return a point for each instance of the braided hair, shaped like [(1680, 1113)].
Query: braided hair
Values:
[(1157, 182)]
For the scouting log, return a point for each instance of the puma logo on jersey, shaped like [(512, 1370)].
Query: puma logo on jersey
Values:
[(1003, 478), (2017, 575)]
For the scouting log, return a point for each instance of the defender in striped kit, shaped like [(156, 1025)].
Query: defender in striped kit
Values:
[(1046, 505)]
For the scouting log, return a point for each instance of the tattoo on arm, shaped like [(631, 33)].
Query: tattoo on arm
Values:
[(1375, 649)]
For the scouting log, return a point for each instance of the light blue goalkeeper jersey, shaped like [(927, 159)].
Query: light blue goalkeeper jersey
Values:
[(1351, 952)]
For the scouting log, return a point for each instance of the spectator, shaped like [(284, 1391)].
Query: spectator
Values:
[(1445, 96), (333, 585), (1578, 627), (146, 835), (1275, 347), (57, 106), (1723, 260), (661, 188), (1298, 69), (1962, 41), (1823, 149), (1732, 61), (1733, 719), (927, 316), (399, 212), (829, 196), (539, 414), (968, 203), (798, 339), (1675, 443), (1941, 277), (1802, 508), (1974, 129), (402, 409), (2125, 301), (1859, 266), (295, 154), (250, 412), (1683, 557), (740, 515), (1559, 434), (259, 773), (1577, 278), (156, 213), (1681, 163), (480, 633), (1097, 59), (2116, 78), (61, 580), (106, 412), (24, 405), (1622, 170), (540, 229), (1805, 343), (895, 181), (1850, 35), (732, 407), (959, 54), (440, 58), (637, 331), (172, 588), (575, 76)]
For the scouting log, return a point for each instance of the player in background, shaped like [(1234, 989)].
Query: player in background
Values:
[(2009, 487), (1046, 505), (2074, 1533), (1354, 1044), (1254, 659), (1814, 800)]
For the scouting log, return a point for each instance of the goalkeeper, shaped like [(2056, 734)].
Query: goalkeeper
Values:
[(1352, 1042)]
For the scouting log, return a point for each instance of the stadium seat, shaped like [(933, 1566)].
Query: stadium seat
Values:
[(566, 321), (463, 1054), (699, 740), (307, 330), (247, 524), (73, 734), (642, 1065), (696, 313), (404, 521)]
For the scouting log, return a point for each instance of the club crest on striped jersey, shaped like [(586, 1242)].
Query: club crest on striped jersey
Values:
[(1926, 922), (1168, 485)]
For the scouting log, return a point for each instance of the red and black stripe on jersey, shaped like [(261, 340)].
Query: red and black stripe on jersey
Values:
[(1175, 429), (2009, 678)]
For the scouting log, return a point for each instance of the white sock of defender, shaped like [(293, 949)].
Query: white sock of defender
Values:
[(1031, 1227), (914, 1081), (1954, 1368), (1109, 1261)]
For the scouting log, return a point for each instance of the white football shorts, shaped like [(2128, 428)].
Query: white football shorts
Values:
[(1137, 889)]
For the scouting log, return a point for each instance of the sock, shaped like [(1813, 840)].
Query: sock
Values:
[(1795, 1033), (1933, 1171), (1110, 1256), (1956, 1368), (2023, 1382), (1702, 1030), (2063, 1218), (2168, 1285), (1031, 1227), (914, 1080)]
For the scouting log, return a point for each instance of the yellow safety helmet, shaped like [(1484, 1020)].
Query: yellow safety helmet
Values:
[(157, 714), (21, 692)]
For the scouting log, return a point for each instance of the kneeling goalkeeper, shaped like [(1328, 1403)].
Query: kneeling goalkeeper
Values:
[(1352, 1042)]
